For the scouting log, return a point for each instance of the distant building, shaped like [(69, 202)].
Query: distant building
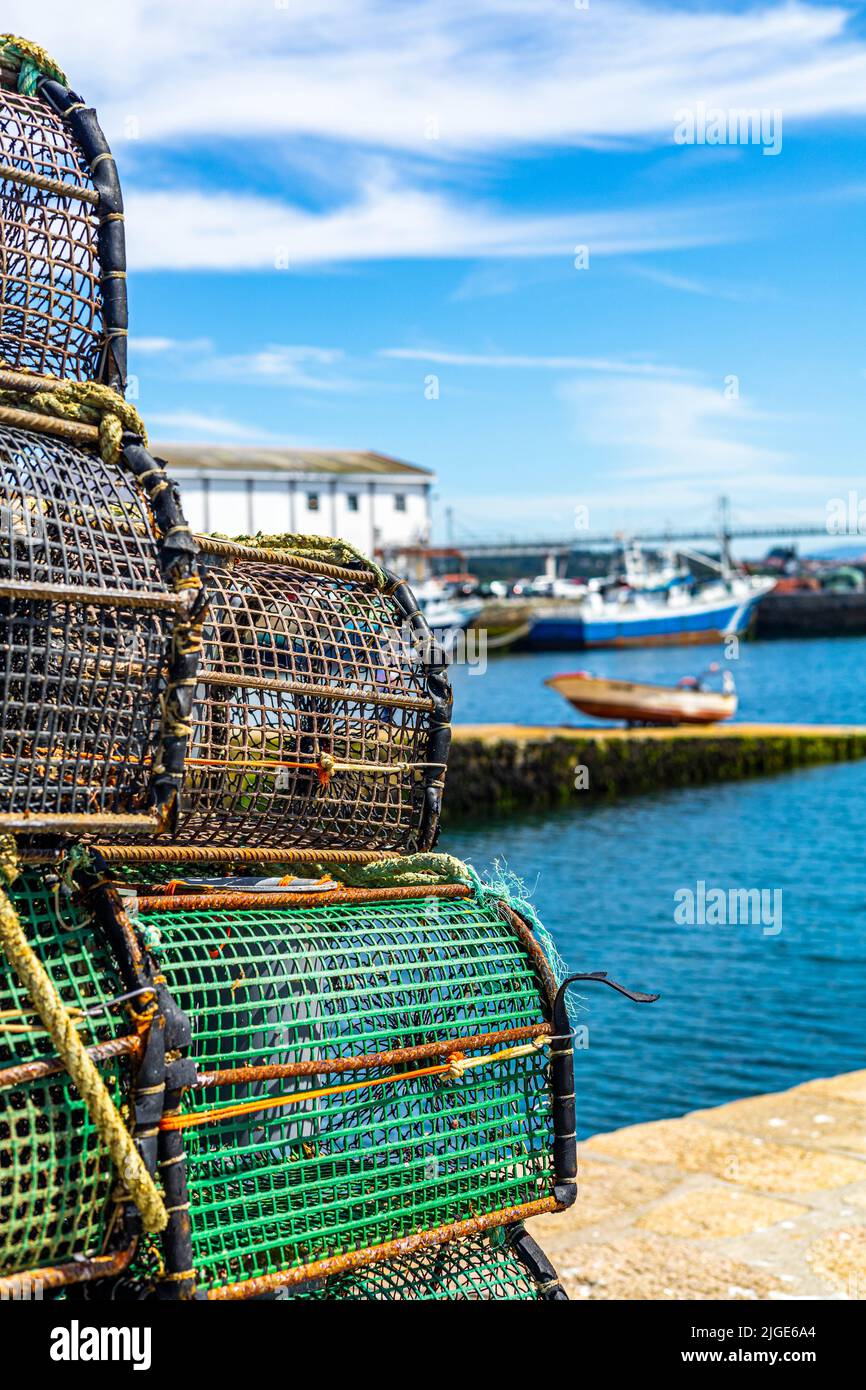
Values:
[(374, 501)]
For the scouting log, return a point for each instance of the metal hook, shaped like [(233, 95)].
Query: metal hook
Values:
[(600, 977)]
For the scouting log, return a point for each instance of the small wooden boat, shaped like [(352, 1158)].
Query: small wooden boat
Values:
[(637, 703)]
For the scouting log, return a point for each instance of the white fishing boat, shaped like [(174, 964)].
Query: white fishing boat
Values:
[(445, 610), (642, 606)]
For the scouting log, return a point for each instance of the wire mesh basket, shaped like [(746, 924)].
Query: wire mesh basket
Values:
[(371, 1067), (56, 1177), (91, 614), (63, 310), (479, 1269), (322, 712)]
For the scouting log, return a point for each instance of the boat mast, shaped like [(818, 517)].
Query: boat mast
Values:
[(724, 533)]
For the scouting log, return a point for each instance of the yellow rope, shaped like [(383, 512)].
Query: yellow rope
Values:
[(331, 550), (53, 1012), (35, 62), (88, 403)]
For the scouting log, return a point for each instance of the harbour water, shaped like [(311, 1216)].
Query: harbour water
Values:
[(819, 681), (745, 1009)]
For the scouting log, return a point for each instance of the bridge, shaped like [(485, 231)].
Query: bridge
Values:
[(585, 540)]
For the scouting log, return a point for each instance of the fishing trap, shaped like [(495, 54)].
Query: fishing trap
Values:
[(97, 567), (322, 713)]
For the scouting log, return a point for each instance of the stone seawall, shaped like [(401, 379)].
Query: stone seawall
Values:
[(502, 768), (810, 615)]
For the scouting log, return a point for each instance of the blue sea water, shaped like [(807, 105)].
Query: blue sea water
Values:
[(806, 682), (743, 1010)]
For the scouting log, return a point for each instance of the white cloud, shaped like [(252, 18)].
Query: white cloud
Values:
[(220, 231), (164, 347), (350, 92), (525, 361), (278, 364), (669, 429), (495, 75), (688, 285), (206, 428)]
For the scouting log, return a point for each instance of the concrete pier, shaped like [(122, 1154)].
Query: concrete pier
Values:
[(760, 1199), (509, 767)]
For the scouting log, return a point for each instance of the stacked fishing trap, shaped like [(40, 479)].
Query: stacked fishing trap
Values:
[(256, 1038)]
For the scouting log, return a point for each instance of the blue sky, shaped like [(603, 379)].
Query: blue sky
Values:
[(331, 201)]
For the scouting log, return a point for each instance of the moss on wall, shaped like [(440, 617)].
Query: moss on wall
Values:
[(515, 774)]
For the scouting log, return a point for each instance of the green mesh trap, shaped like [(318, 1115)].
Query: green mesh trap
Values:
[(476, 1270), (55, 1176), (308, 990)]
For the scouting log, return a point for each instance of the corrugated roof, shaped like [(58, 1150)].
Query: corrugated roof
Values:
[(208, 457)]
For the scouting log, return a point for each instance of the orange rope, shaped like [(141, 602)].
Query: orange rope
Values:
[(323, 774), (455, 1064)]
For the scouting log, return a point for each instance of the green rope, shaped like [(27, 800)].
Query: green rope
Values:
[(87, 403), (330, 549), (409, 871), (34, 61)]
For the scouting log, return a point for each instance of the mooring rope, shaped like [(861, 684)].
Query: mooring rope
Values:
[(61, 1028)]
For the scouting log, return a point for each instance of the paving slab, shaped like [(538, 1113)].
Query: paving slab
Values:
[(762, 1198)]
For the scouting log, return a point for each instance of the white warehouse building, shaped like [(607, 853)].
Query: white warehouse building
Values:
[(374, 501)]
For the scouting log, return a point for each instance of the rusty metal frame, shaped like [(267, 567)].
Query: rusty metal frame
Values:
[(225, 898), (373, 1254), (15, 1286)]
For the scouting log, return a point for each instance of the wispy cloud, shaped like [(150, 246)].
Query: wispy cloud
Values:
[(686, 284), (204, 428), (669, 428), (521, 361), (445, 79), (277, 364), (387, 219), (163, 347)]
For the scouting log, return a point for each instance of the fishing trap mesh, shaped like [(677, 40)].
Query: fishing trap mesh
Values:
[(479, 1269), (63, 307), (51, 319), (84, 633), (56, 1177), (321, 714), (320, 993)]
